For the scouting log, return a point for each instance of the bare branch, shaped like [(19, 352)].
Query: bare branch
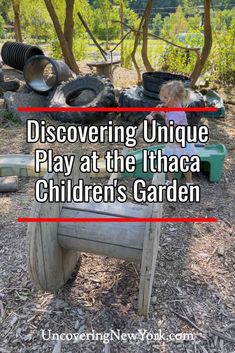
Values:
[(196, 50), (185, 318), (103, 52), (123, 38), (136, 43)]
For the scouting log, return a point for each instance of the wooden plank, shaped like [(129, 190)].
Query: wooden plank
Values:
[(70, 257), (8, 184), (150, 258), (149, 255), (115, 209), (123, 234), (101, 248)]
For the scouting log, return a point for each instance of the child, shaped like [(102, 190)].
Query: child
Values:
[(174, 94)]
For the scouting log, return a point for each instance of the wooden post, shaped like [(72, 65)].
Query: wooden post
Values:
[(119, 240), (149, 255)]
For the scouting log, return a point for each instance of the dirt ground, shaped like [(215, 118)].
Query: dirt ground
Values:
[(194, 285)]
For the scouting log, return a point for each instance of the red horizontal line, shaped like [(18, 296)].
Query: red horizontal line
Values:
[(118, 220), (113, 109)]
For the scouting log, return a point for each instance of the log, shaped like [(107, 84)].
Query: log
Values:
[(9, 184)]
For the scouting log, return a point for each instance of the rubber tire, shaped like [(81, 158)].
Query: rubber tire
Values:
[(9, 85), (134, 97), (150, 94), (104, 97), (152, 81), (1, 76), (196, 100)]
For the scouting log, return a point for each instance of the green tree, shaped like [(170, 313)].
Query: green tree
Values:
[(130, 16), (36, 22), (175, 24), (108, 12), (157, 24), (222, 20), (65, 32), (222, 64), (5, 6), (37, 25), (1, 26)]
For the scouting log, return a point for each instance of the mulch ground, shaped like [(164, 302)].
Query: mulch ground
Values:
[(194, 285)]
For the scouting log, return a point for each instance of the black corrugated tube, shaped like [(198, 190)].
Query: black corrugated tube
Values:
[(15, 54)]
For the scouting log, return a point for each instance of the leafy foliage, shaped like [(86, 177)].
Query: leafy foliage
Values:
[(1, 26), (99, 14), (221, 63), (222, 59), (174, 24), (4, 9), (35, 21), (106, 29), (157, 24)]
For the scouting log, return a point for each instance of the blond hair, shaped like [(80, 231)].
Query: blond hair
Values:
[(176, 90)]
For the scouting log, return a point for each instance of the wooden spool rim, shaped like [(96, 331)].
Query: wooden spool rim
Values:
[(59, 263), (150, 251), (50, 266)]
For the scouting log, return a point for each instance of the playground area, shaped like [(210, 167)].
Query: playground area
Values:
[(194, 282)]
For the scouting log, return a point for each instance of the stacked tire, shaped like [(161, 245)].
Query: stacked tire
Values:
[(135, 97), (152, 82), (148, 96)]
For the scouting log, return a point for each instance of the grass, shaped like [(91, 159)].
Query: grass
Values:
[(155, 50)]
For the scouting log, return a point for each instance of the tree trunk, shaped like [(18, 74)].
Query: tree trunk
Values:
[(201, 60), (17, 25), (136, 43), (67, 53), (122, 30), (144, 50), (69, 23)]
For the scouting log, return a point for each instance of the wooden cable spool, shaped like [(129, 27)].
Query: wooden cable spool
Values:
[(55, 247)]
